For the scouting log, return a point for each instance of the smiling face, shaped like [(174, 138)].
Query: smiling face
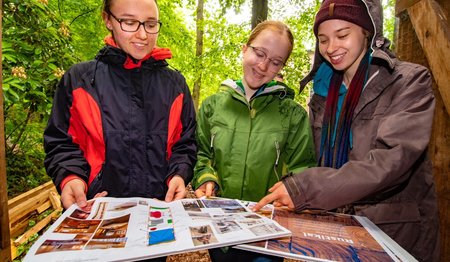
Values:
[(137, 44), (273, 45), (343, 45)]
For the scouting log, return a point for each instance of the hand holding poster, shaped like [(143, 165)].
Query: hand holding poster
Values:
[(138, 228)]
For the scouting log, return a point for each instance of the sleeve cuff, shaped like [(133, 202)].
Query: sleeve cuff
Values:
[(295, 192), (168, 179), (70, 178), (203, 178)]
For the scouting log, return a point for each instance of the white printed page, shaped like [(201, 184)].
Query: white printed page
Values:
[(127, 229)]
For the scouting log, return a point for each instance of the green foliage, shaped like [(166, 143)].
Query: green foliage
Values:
[(83, 18), (299, 62), (227, 4), (25, 162), (389, 20), (221, 53), (175, 35), (36, 51)]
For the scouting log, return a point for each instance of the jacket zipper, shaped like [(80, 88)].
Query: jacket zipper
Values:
[(211, 147)]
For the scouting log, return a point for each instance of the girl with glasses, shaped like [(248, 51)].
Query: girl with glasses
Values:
[(252, 132), (122, 125)]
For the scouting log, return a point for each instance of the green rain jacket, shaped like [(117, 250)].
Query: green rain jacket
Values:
[(245, 147)]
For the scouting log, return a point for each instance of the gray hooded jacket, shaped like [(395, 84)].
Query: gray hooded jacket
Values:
[(388, 176)]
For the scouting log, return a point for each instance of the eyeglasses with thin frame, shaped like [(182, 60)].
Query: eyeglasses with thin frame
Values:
[(274, 64), (133, 25)]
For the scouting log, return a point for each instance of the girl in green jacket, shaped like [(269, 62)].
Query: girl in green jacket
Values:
[(252, 132)]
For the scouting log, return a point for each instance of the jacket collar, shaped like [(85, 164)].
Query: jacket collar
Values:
[(270, 88), (113, 54)]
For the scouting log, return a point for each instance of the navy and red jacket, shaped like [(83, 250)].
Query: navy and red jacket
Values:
[(122, 125)]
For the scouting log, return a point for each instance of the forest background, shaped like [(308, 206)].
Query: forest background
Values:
[(43, 38)]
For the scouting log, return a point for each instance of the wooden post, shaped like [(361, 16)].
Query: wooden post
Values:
[(424, 38), (5, 244), (433, 32)]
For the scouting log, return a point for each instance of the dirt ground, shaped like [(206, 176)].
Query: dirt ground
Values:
[(198, 256)]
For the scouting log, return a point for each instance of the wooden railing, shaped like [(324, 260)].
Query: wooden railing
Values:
[(27, 206)]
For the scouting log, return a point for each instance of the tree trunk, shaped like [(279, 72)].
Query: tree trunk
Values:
[(259, 11), (198, 54), (5, 242)]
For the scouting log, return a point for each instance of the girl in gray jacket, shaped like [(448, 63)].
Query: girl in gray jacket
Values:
[(371, 116)]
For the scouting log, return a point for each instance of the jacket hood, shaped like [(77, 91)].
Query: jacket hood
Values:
[(157, 54), (379, 44)]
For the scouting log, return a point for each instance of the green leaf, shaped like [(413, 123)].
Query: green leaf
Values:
[(18, 86), (52, 66), (9, 57), (13, 93), (5, 87), (37, 63)]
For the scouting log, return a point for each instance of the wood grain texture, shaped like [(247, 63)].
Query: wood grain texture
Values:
[(409, 48)]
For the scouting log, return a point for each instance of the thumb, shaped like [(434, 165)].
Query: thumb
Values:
[(79, 195), (209, 188), (170, 193)]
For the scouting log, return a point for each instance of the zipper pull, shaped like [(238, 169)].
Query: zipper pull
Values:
[(277, 147), (275, 166), (211, 145)]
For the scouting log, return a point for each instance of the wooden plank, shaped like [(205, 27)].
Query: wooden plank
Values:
[(433, 32), (402, 5), (439, 148), (56, 200), (38, 227), (46, 205), (19, 227), (27, 206), (14, 251), (5, 244), (444, 203), (30, 194)]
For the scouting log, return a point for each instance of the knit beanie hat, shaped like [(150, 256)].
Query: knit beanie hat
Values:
[(353, 11)]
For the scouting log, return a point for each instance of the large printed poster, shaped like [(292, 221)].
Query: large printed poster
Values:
[(329, 237)]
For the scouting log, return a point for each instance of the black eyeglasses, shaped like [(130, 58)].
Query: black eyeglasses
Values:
[(132, 25), (274, 64)]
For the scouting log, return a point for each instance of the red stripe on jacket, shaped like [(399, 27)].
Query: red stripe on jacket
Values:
[(85, 127), (175, 125)]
